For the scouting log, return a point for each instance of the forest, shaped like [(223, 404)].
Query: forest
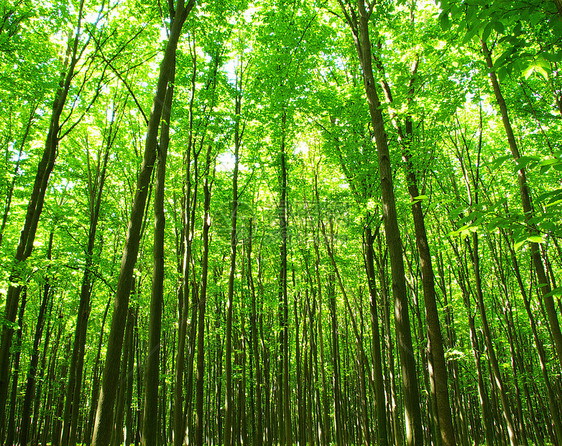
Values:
[(323, 222)]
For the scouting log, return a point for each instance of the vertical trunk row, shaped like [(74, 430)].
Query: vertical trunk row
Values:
[(152, 373), (183, 294), (11, 434), (256, 353), (380, 402), (490, 350), (34, 209), (74, 380), (32, 372)]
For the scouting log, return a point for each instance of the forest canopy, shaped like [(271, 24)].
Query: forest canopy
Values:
[(280, 222)]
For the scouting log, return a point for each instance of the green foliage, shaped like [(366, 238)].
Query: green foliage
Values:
[(294, 65)]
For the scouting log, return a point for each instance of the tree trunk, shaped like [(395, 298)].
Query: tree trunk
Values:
[(438, 369), (376, 343), (117, 437), (38, 394), (284, 412), (199, 423), (73, 388), (11, 434), (359, 23), (552, 400), (255, 335), (183, 295), (489, 344), (544, 283), (152, 373), (228, 406), (104, 417), (96, 379)]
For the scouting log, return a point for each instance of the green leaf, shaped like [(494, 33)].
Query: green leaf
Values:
[(497, 162), (535, 239), (526, 161), (444, 20), (498, 27), (555, 292), (487, 31), (470, 34), (518, 245), (531, 239)]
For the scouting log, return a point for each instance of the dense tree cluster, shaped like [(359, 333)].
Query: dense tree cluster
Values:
[(307, 222)]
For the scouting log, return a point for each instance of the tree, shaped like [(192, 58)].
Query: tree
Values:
[(358, 21), (104, 416)]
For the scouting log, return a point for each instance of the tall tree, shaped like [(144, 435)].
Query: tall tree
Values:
[(357, 19), (104, 416)]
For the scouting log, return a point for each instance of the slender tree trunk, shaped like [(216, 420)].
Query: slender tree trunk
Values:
[(284, 412), (482, 390), (117, 436), (498, 380), (152, 373), (338, 425), (325, 433), (300, 434), (438, 369), (552, 400), (544, 283), (104, 417), (199, 423), (359, 24), (11, 434), (129, 416), (48, 412), (73, 387), (183, 297), (376, 342), (59, 397), (38, 394), (228, 406), (96, 379), (255, 349)]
